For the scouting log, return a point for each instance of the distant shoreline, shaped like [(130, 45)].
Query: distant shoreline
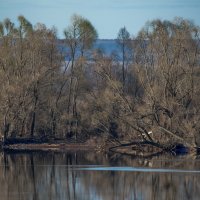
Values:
[(136, 149)]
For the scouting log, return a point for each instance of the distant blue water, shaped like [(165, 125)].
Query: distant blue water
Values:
[(107, 47)]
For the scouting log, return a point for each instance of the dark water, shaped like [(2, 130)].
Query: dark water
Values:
[(90, 176)]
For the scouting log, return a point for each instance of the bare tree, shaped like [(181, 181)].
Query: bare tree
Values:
[(124, 42), (80, 36)]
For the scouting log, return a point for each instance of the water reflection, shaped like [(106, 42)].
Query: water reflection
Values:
[(85, 176)]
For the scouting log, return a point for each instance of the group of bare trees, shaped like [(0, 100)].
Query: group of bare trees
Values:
[(150, 91), (30, 66), (167, 61), (39, 89)]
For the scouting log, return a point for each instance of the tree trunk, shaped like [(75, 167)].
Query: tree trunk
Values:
[(34, 113)]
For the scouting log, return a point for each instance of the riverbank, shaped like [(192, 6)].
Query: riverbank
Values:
[(52, 144), (49, 147), (138, 149)]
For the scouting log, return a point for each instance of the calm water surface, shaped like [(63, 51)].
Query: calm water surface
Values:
[(90, 176)]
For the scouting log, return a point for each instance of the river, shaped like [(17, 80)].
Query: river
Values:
[(96, 176)]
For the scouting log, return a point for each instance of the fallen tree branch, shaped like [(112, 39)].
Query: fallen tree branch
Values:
[(139, 143), (176, 136)]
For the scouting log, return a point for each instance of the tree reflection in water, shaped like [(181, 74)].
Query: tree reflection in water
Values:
[(58, 176)]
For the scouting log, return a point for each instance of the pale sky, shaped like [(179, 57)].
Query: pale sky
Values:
[(108, 16)]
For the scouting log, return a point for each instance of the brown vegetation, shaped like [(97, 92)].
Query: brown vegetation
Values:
[(152, 96)]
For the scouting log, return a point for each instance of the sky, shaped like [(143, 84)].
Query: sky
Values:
[(107, 16)]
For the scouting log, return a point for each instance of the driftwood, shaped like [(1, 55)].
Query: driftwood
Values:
[(139, 149), (143, 149), (138, 143)]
